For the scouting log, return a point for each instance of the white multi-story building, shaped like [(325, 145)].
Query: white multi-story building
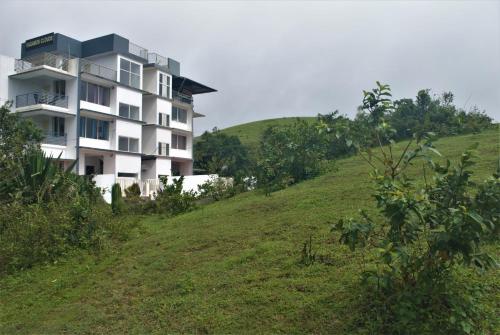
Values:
[(110, 105)]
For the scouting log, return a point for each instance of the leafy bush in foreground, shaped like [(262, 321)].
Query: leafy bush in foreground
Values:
[(425, 235)]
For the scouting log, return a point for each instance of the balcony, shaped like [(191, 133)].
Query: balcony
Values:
[(54, 139), (53, 104), (98, 70), (184, 98), (41, 98), (157, 59), (43, 64), (138, 51)]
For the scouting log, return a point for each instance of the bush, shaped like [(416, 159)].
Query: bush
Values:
[(46, 212), (425, 234), (117, 203), (290, 154), (217, 189), (41, 232), (170, 199), (133, 191)]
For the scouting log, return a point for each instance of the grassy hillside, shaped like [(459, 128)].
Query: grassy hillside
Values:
[(249, 133), (229, 267)]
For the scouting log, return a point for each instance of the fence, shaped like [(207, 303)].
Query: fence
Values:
[(148, 187)]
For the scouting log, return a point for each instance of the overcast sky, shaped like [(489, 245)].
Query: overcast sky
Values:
[(291, 58)]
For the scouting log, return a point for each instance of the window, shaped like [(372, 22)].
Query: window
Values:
[(92, 128), (94, 93), (179, 114), (163, 119), (164, 86), (162, 149), (179, 142), (129, 111), (57, 126), (60, 87), (130, 73), (127, 174), (128, 144)]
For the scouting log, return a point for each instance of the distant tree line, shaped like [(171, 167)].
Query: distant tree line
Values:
[(291, 153)]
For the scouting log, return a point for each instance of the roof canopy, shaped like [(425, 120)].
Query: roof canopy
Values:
[(185, 84)]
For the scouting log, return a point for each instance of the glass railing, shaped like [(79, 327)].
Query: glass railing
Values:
[(187, 99), (139, 51), (98, 70), (51, 138), (35, 98), (47, 59), (155, 58)]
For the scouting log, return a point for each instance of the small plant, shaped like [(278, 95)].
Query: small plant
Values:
[(171, 199), (133, 191), (117, 204), (308, 255), (217, 189)]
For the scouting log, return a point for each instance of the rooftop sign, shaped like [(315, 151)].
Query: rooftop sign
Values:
[(39, 41)]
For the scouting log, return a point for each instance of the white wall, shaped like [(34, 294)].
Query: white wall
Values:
[(105, 182), (163, 106), (94, 143), (128, 129), (95, 107), (6, 69), (127, 96), (128, 164), (163, 167)]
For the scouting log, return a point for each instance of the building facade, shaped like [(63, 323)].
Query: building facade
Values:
[(113, 107)]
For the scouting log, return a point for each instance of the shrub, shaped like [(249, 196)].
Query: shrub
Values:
[(117, 203), (486, 203), (425, 234), (171, 200), (41, 232), (290, 154), (217, 189), (133, 191)]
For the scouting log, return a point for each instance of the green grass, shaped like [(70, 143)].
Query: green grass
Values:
[(228, 267), (249, 133)]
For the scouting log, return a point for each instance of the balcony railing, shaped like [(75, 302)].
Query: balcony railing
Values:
[(48, 59), (51, 138), (98, 70), (187, 99), (30, 99), (157, 59), (134, 49)]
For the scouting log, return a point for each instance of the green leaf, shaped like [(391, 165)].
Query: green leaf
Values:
[(434, 151)]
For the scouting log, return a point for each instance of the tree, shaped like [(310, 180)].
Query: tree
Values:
[(17, 135), (290, 154), (216, 152)]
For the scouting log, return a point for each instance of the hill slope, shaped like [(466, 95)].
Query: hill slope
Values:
[(229, 267), (249, 133)]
